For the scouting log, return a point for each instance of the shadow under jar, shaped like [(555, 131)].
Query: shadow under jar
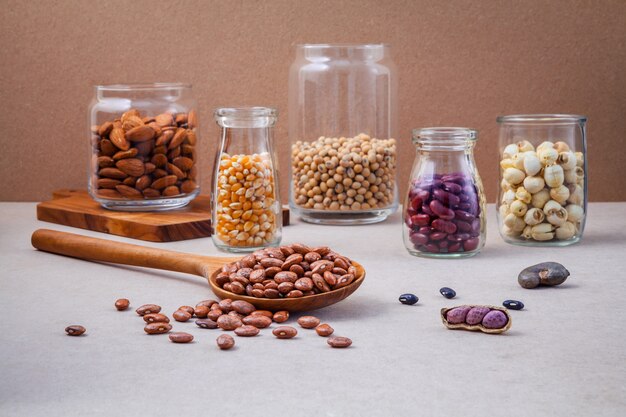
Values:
[(143, 146), (543, 179), (444, 211), (342, 122), (246, 212)]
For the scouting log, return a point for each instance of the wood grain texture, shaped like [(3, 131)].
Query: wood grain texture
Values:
[(77, 209), (93, 249), (460, 63)]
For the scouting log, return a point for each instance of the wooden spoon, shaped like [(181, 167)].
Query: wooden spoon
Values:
[(89, 248)]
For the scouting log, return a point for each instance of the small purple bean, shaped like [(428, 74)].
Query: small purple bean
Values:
[(446, 198), (455, 247), (431, 247), (463, 227), (457, 315), (438, 236), (423, 195), (495, 319), (463, 215), (418, 238), (471, 244), (476, 315), (452, 187)]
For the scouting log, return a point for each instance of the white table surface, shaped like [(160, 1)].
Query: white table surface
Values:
[(565, 354)]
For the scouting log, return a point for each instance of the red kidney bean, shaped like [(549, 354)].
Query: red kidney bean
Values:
[(464, 216), (463, 227), (438, 235), (418, 238), (444, 226), (420, 220), (446, 198), (471, 244), (454, 247), (444, 244), (452, 187), (440, 210), (426, 209), (431, 247)]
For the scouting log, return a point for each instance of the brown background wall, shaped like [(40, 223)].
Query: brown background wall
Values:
[(459, 62)]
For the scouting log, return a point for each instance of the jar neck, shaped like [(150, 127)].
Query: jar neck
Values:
[(165, 91), (445, 139), (245, 117)]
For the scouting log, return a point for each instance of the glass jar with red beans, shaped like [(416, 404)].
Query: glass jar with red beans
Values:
[(444, 210)]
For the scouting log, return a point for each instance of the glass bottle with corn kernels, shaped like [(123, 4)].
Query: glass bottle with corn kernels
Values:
[(246, 212)]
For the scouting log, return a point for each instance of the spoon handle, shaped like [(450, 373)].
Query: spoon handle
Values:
[(93, 249)]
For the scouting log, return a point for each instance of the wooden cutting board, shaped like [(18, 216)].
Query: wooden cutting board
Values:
[(77, 209)]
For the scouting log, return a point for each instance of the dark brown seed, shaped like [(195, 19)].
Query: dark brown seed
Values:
[(285, 287), (157, 328), (75, 330), (257, 321), (271, 293), (181, 315), (214, 314), (188, 309), (206, 303), (339, 341), (308, 322), (242, 307), (281, 316), (330, 278), (226, 322), (235, 314), (147, 309), (180, 337), (312, 257), (265, 313), (271, 271), (285, 276), (304, 284), (267, 262), (206, 324), (292, 260), (225, 341), (284, 332), (246, 331), (122, 304), (201, 311), (324, 330), (294, 294), (258, 293), (237, 288), (156, 318), (225, 305), (300, 248), (257, 276)]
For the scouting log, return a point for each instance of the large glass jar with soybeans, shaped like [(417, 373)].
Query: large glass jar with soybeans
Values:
[(143, 146), (342, 127), (246, 211), (543, 182)]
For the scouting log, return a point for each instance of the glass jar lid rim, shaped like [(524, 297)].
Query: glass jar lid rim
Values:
[(243, 112), (444, 133), (541, 118), (142, 86)]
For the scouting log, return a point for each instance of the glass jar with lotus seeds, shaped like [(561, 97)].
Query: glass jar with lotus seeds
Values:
[(342, 124), (543, 183), (245, 204)]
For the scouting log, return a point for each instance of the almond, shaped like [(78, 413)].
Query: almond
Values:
[(181, 118), (107, 183), (164, 138), (144, 148), (151, 193), (179, 137), (105, 129), (140, 134), (106, 193), (127, 191), (148, 120), (192, 120), (105, 161), (159, 173), (130, 181), (188, 149), (118, 139), (131, 166), (112, 173), (188, 187), (150, 167), (174, 153), (156, 127), (107, 148), (170, 191), (131, 122), (191, 137), (159, 160), (130, 113), (131, 153), (164, 119), (160, 149), (183, 163), (143, 182), (164, 182), (173, 169)]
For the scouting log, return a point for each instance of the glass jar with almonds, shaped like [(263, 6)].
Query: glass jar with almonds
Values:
[(143, 146), (543, 179), (246, 212)]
